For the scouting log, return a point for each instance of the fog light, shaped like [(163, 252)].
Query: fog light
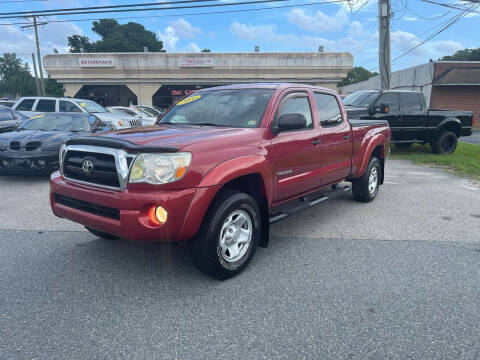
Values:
[(157, 215)]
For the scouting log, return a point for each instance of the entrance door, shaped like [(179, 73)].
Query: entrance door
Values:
[(296, 154)]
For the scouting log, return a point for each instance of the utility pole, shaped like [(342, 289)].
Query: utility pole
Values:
[(384, 44), (35, 26), (37, 82)]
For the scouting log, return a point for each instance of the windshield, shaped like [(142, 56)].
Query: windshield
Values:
[(147, 111), (233, 108), (61, 122), (360, 98), (91, 106)]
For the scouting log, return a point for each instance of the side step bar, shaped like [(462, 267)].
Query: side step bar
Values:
[(282, 211)]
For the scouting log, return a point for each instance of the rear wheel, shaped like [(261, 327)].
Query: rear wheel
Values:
[(229, 235), (102, 235), (365, 188), (445, 143)]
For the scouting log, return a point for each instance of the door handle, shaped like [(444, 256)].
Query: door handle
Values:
[(316, 141), (346, 137)]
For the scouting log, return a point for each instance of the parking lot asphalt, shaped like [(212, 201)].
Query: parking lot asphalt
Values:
[(473, 139), (397, 278)]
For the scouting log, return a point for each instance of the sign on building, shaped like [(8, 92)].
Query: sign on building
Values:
[(96, 62), (195, 62)]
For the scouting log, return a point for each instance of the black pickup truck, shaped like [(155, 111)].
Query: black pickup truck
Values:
[(410, 120)]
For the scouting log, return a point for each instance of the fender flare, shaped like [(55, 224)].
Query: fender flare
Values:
[(373, 142), (447, 121)]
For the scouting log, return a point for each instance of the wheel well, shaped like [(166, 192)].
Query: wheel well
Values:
[(451, 126), (379, 153), (254, 186)]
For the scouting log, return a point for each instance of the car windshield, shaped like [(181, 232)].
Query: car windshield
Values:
[(148, 111), (60, 122), (233, 108), (360, 99), (91, 106)]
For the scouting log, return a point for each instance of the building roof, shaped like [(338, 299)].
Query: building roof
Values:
[(459, 77)]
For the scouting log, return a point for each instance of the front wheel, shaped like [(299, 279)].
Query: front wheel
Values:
[(229, 235), (365, 188)]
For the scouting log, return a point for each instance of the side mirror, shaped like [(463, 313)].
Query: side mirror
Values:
[(383, 108), (289, 122)]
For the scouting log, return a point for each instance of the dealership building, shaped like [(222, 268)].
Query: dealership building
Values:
[(159, 79)]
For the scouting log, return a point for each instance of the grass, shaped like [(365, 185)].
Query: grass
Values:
[(465, 161)]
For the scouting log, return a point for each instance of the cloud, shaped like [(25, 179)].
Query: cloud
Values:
[(263, 32), (184, 29), (318, 22), (169, 38), (191, 48), (53, 35)]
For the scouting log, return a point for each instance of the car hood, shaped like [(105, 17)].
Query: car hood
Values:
[(178, 136), (44, 139), (356, 110), (109, 117)]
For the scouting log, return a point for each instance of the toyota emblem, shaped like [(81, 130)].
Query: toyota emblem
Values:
[(87, 166)]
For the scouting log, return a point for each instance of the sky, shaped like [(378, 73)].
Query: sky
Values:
[(337, 27)]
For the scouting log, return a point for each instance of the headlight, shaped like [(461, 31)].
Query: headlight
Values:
[(159, 168)]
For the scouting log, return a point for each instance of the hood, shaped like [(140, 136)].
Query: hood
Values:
[(176, 136), (109, 117), (34, 139), (356, 110)]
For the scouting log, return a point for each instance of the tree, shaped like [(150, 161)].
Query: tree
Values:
[(15, 77), (115, 37), (464, 55), (356, 75), (206, 50)]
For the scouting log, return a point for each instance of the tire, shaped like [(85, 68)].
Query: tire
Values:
[(102, 234), (445, 143), (361, 189), (403, 145), (216, 253)]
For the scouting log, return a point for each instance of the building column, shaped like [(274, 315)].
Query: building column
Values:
[(72, 89), (144, 92)]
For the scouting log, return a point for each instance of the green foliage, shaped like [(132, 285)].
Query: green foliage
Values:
[(53, 87), (465, 161), (356, 75), (15, 77), (115, 37), (206, 50), (464, 55)]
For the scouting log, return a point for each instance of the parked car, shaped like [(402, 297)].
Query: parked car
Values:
[(8, 103), (149, 110), (410, 120), (130, 111), (34, 146), (10, 119), (35, 105), (222, 165)]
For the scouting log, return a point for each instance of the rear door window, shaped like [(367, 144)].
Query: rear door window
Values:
[(25, 105), (67, 106), (411, 102), (46, 106), (328, 110)]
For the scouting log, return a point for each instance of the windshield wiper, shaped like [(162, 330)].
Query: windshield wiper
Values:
[(205, 124)]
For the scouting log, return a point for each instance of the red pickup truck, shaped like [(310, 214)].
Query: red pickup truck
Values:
[(218, 168)]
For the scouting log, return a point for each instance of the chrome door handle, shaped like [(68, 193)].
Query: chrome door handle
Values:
[(316, 141), (346, 137)]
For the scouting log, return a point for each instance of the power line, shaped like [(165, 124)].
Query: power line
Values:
[(189, 14)]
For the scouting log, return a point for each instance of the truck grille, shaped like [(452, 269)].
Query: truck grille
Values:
[(88, 207), (103, 171), (135, 123)]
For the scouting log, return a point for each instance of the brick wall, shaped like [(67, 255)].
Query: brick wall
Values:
[(456, 97)]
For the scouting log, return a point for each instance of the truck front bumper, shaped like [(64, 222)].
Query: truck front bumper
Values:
[(126, 213)]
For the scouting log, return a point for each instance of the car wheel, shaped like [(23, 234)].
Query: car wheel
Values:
[(403, 145), (445, 143), (102, 234), (229, 235), (365, 188)]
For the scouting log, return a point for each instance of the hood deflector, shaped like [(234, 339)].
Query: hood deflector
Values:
[(118, 144)]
